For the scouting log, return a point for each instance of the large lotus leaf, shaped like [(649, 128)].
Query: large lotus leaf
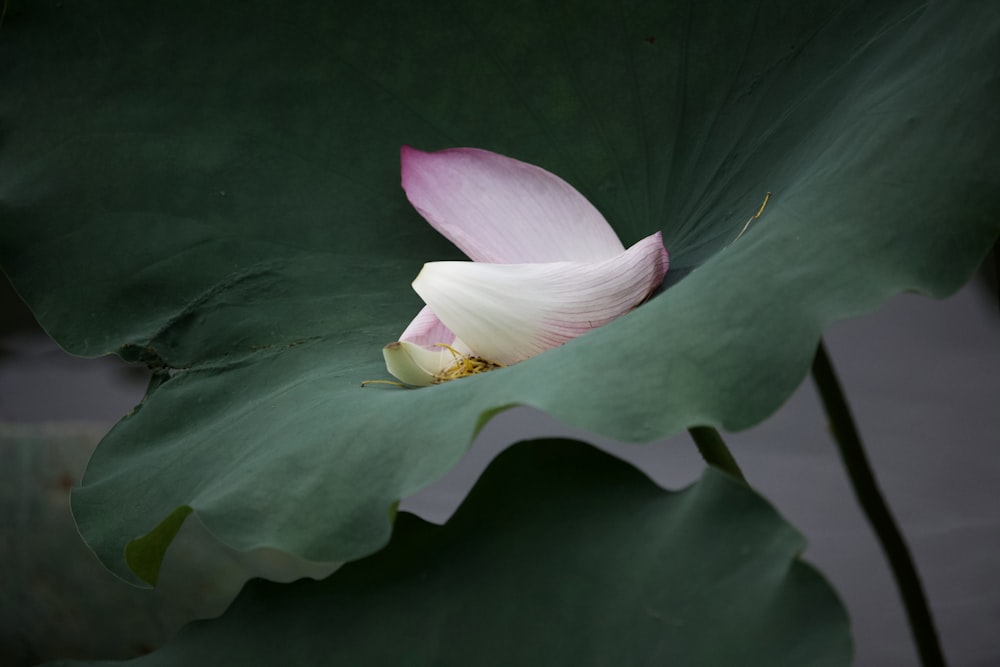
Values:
[(213, 189), (561, 555)]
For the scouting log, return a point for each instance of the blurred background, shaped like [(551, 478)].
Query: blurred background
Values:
[(922, 375)]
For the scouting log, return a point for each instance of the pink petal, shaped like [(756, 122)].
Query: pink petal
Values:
[(509, 312), (427, 330), (500, 210)]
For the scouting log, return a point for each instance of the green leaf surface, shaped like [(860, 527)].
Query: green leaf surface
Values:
[(212, 189), (561, 555)]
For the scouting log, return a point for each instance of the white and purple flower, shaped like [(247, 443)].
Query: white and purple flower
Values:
[(546, 266)]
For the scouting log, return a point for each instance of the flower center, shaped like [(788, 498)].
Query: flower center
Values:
[(464, 365)]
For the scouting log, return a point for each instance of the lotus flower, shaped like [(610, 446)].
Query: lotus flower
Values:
[(547, 267)]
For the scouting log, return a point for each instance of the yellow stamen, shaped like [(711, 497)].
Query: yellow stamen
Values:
[(454, 353), (464, 366), (752, 218), (396, 384), (761, 209)]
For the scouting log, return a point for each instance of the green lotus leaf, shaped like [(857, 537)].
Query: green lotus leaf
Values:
[(213, 190), (561, 555)]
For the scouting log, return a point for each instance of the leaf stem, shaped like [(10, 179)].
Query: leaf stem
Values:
[(869, 496), (713, 449)]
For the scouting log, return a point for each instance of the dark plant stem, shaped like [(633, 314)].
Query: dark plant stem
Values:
[(713, 449), (866, 490), (996, 270)]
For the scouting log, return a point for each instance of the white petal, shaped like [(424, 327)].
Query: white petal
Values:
[(508, 312), (415, 365), (420, 366), (501, 210)]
